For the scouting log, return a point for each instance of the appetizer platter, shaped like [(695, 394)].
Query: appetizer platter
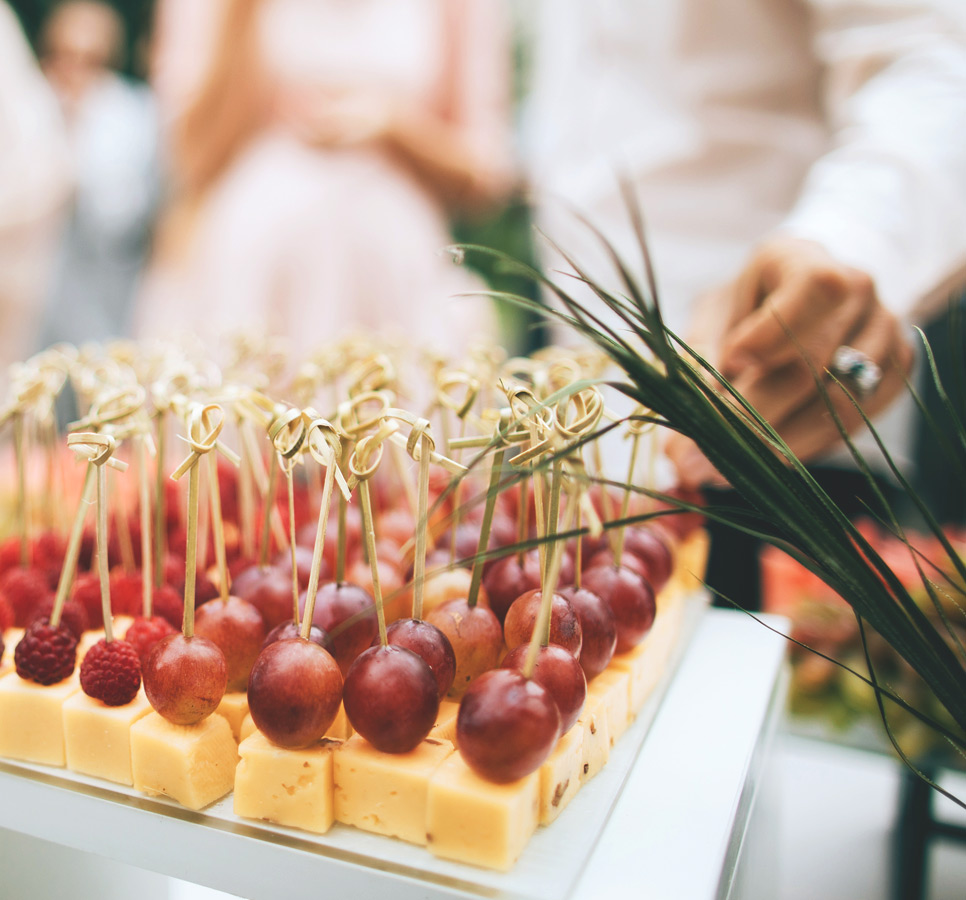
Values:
[(422, 632)]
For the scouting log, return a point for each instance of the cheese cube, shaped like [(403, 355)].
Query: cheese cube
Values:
[(445, 727), (234, 707), (560, 775), (386, 792), (644, 666), (691, 559), (475, 821), (289, 787), (32, 718), (247, 727), (97, 738), (612, 689), (194, 764), (340, 729), (596, 738)]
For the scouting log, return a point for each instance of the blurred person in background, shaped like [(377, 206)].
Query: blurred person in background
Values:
[(798, 164), (112, 127), (316, 148), (34, 185)]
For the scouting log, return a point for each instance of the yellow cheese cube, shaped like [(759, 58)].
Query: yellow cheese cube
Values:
[(32, 718), (247, 727), (596, 738), (340, 729), (691, 559), (234, 707), (445, 727), (474, 821), (194, 764), (644, 666), (97, 738), (612, 688), (560, 775), (290, 787), (386, 792)]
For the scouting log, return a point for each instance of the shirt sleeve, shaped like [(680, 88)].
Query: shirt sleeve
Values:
[(890, 196)]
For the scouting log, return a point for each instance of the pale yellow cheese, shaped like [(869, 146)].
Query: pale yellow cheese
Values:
[(596, 738), (247, 727), (474, 821), (612, 689), (340, 729), (560, 775), (644, 666), (289, 787), (32, 719), (445, 727), (647, 663), (386, 792), (234, 707), (193, 764), (691, 559), (97, 738)]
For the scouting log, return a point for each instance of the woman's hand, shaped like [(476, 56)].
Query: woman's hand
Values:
[(339, 119), (776, 327)]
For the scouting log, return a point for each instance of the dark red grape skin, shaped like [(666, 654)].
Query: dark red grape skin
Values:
[(564, 623), (598, 626), (428, 642), (185, 678), (629, 596), (269, 588), (560, 673), (507, 726), (347, 613), (391, 698), (294, 692)]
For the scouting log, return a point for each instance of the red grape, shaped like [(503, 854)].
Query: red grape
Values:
[(507, 726), (391, 698), (294, 692)]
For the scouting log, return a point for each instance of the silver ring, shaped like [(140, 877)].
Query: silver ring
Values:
[(856, 368)]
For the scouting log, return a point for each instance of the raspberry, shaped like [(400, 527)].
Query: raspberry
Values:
[(111, 672), (6, 614), (126, 588), (87, 592), (24, 590), (73, 615), (47, 554), (145, 633), (9, 554), (168, 604), (46, 654)]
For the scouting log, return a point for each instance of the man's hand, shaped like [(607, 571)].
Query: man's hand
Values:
[(793, 305)]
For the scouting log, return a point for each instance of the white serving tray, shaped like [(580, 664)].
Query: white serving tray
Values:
[(259, 860)]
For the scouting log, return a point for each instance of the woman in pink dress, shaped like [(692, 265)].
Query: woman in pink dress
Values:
[(315, 159)]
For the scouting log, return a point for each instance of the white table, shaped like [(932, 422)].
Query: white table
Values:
[(678, 831)]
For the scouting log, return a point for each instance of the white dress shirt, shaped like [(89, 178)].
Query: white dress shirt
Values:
[(841, 121)]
